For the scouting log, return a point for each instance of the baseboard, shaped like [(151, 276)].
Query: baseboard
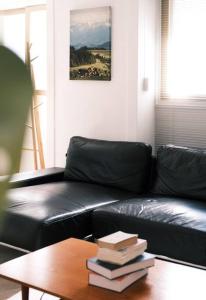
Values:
[(181, 262), (15, 248), (34, 295)]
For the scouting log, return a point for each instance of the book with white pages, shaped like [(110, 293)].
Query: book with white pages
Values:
[(121, 257), (117, 240), (119, 284), (111, 271)]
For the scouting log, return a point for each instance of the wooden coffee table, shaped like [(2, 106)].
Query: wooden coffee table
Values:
[(60, 270)]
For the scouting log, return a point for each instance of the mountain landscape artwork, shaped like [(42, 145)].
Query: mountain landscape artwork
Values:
[(90, 44)]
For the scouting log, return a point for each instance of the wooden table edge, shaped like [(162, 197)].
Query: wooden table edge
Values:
[(25, 287)]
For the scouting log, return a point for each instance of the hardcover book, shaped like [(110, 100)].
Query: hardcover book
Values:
[(112, 271), (118, 284)]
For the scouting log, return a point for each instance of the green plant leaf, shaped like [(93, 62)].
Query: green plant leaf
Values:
[(15, 100)]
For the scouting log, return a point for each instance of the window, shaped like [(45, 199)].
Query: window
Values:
[(183, 49), (24, 30)]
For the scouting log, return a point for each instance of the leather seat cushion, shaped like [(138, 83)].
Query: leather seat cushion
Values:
[(174, 227), (40, 215), (181, 172), (124, 165)]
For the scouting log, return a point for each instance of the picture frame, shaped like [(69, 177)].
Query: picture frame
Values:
[(90, 43)]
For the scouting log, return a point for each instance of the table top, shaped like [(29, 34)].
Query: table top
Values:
[(60, 270)]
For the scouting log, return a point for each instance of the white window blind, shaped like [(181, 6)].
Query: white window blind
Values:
[(181, 125), (183, 49)]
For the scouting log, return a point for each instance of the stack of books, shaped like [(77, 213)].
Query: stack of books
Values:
[(120, 261)]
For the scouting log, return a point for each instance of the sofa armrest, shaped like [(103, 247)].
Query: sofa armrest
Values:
[(36, 177)]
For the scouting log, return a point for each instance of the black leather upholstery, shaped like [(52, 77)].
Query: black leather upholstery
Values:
[(181, 172), (174, 227), (40, 215), (36, 177), (124, 165)]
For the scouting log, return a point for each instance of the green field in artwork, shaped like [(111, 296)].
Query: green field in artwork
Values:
[(103, 53), (90, 64)]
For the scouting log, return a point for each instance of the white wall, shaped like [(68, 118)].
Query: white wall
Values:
[(148, 68), (115, 110)]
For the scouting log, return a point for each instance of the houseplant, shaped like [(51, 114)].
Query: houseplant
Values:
[(15, 100)]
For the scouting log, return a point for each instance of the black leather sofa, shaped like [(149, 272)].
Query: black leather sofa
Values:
[(108, 186)]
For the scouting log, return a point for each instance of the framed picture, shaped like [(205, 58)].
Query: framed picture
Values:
[(90, 44)]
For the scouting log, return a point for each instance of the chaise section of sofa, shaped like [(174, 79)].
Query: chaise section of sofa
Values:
[(41, 215)]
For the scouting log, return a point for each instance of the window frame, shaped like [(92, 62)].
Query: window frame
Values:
[(36, 92), (27, 11)]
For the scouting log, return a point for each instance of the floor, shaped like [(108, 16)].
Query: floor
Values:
[(11, 291), (7, 288)]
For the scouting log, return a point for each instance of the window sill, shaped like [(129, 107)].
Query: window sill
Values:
[(184, 103)]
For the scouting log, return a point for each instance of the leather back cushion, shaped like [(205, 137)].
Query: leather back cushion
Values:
[(181, 171), (124, 165)]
